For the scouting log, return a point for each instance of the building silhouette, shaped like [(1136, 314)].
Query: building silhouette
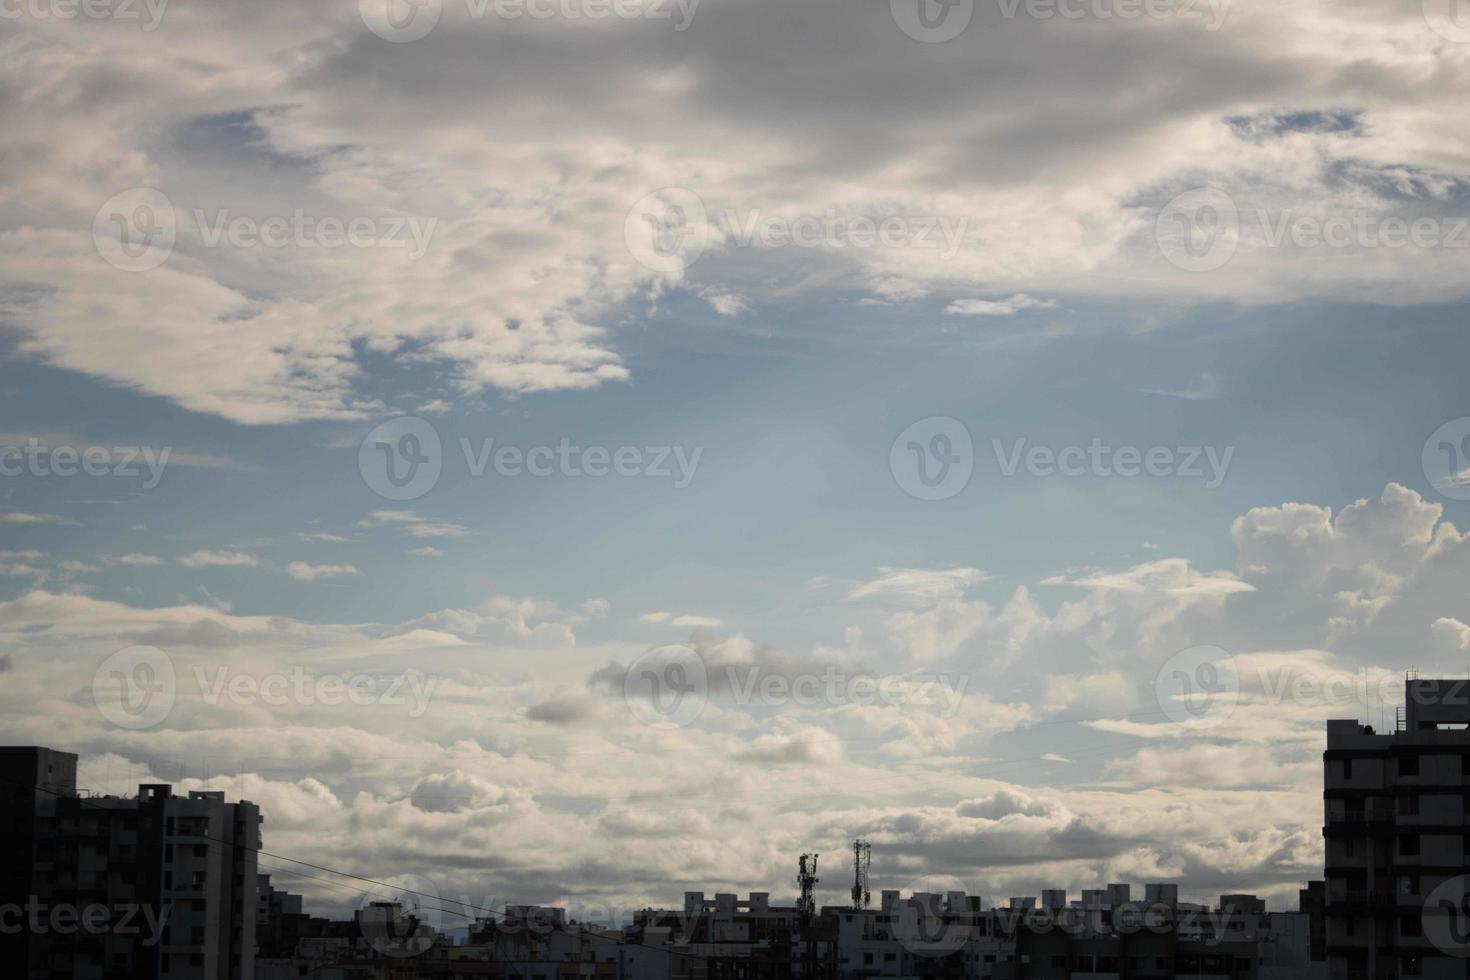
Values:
[(152, 887), (1398, 836)]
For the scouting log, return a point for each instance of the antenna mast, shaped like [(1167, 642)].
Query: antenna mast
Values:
[(806, 881), (862, 857)]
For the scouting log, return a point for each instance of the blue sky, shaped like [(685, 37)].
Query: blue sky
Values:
[(1322, 403)]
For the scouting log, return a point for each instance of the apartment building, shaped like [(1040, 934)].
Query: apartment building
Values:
[(28, 775), (1398, 839), (152, 887)]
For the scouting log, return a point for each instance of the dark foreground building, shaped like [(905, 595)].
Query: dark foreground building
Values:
[(1398, 837), (152, 887)]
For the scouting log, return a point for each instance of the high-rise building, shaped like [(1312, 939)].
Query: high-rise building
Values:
[(28, 775), (152, 887), (1398, 838)]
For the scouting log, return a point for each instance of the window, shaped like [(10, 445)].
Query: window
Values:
[(1347, 768), (1409, 845), (1408, 806), (1408, 765), (1410, 925)]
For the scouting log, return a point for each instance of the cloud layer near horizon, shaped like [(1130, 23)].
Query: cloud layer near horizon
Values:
[(508, 766)]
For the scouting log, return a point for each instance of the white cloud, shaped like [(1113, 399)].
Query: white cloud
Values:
[(678, 619), (304, 572), (218, 559), (1005, 307), (1208, 386), (414, 525), (917, 586), (527, 268), (21, 517), (133, 560), (725, 303), (519, 712)]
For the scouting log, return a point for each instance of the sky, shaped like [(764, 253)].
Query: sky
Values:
[(697, 434)]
